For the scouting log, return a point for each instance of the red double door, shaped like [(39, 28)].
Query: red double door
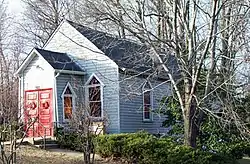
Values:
[(39, 112)]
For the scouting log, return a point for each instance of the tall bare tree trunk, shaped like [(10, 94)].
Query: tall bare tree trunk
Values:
[(190, 126)]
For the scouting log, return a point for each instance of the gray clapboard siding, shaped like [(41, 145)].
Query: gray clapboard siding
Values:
[(77, 83), (123, 109), (131, 103), (92, 60), (109, 77)]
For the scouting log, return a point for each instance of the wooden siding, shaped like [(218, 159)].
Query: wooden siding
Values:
[(90, 58), (131, 103), (77, 83), (38, 74)]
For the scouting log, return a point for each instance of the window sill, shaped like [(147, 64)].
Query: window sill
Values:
[(66, 120), (96, 119), (147, 120)]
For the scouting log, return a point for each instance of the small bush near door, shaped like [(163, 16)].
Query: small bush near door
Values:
[(69, 140)]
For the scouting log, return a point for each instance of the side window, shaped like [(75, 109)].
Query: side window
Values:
[(68, 97), (94, 96), (147, 103)]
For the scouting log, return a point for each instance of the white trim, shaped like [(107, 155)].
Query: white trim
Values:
[(28, 59), (118, 103), (19, 96), (151, 102), (73, 95), (23, 96), (25, 62), (87, 86), (71, 89), (56, 116), (70, 72), (91, 77), (53, 34)]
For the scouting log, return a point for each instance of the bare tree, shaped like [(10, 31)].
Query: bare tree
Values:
[(9, 62), (86, 127), (12, 135), (86, 121), (42, 17), (206, 38)]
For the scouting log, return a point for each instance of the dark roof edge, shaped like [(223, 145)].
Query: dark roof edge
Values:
[(78, 69), (36, 48), (140, 74)]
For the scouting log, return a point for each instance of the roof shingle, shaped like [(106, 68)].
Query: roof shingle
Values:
[(125, 53), (59, 61)]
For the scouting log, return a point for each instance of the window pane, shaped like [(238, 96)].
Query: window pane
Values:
[(147, 97), (94, 94), (95, 109), (147, 105), (68, 91), (67, 107), (94, 81), (146, 111)]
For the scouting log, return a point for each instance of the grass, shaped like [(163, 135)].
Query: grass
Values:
[(32, 155)]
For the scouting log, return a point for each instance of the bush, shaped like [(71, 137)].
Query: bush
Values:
[(69, 140), (143, 148), (235, 150), (7, 131), (110, 145)]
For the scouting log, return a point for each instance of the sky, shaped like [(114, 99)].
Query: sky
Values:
[(14, 10), (14, 7)]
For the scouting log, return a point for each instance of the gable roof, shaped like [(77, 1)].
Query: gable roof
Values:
[(125, 53), (59, 61), (121, 51), (130, 56)]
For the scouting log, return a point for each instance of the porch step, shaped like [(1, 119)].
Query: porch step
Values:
[(37, 142), (49, 143), (47, 146)]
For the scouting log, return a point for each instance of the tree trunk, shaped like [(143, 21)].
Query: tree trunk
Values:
[(190, 126)]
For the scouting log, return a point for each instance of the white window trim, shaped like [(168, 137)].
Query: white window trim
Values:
[(73, 95), (151, 103), (91, 77), (87, 86)]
